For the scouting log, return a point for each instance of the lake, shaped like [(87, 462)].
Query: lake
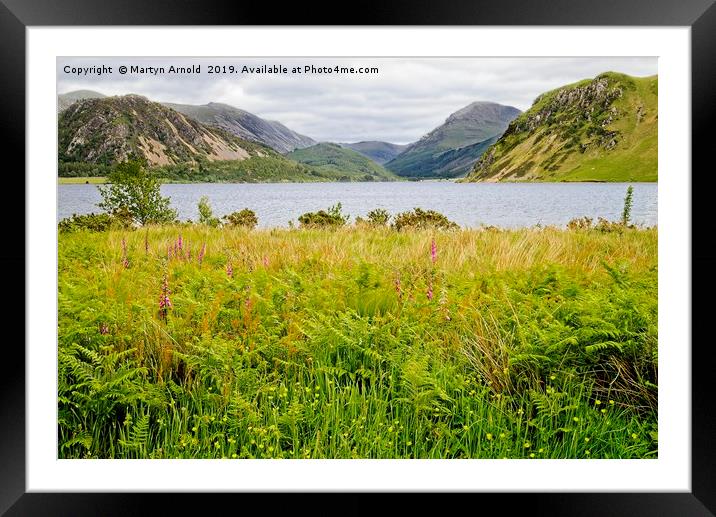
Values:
[(468, 204)]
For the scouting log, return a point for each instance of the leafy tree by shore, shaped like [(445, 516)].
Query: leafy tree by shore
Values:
[(134, 190)]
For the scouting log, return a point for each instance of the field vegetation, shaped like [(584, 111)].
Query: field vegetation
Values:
[(357, 340)]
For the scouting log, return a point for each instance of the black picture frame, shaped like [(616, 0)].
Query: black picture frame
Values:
[(699, 15)]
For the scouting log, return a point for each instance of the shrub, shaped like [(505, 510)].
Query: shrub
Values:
[(333, 218), (419, 219), (93, 223), (246, 218), (377, 217), (206, 214), (580, 223), (606, 226)]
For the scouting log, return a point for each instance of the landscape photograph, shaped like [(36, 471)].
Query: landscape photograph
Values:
[(357, 258)]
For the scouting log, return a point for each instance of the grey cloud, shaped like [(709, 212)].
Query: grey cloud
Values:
[(409, 97)]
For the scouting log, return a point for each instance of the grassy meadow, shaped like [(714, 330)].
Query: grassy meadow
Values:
[(186, 341)]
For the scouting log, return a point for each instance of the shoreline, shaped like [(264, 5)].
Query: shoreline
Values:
[(97, 180)]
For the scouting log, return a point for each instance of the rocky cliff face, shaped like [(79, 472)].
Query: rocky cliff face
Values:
[(112, 129), (246, 125), (601, 129), (457, 137)]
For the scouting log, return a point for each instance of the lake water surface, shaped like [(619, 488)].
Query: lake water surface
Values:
[(468, 204)]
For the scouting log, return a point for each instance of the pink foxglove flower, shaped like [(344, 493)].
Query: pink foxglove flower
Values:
[(229, 270), (202, 252), (434, 251), (164, 301)]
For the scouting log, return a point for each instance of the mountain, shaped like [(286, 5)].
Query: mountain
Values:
[(65, 100), (245, 125), (450, 150), (94, 134), (379, 152), (112, 129), (601, 129), (347, 163)]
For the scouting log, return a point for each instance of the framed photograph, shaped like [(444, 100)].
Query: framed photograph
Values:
[(434, 252)]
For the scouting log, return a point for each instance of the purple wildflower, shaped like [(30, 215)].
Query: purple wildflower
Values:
[(434, 251), (248, 302), (180, 243), (229, 270), (398, 289), (164, 302), (169, 252), (202, 252), (430, 290)]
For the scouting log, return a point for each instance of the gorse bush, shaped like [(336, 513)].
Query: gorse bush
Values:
[(215, 343), (376, 217), (94, 222), (581, 223), (333, 217), (604, 225), (421, 219), (244, 218)]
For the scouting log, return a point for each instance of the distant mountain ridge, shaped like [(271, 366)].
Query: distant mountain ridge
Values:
[(600, 129), (65, 100), (336, 159), (245, 125), (379, 152), (452, 148)]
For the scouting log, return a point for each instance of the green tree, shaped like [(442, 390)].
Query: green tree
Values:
[(206, 214), (626, 212), (133, 190)]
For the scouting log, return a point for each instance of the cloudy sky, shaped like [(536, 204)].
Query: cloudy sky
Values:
[(407, 97)]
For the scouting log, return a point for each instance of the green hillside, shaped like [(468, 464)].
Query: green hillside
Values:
[(601, 129), (451, 149), (348, 164), (379, 152)]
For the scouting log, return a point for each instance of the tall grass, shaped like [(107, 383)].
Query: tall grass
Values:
[(535, 343)]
